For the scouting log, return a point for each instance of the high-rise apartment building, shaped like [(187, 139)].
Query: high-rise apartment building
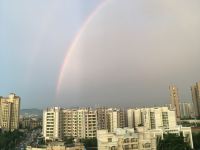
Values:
[(9, 112), (69, 119), (151, 118), (90, 123), (175, 100), (52, 123), (115, 119), (111, 118), (74, 122), (102, 118), (78, 123), (195, 89)]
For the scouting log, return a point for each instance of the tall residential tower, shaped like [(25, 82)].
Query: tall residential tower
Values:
[(195, 89), (175, 100), (9, 112)]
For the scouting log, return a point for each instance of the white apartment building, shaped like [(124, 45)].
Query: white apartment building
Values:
[(78, 123), (52, 123), (74, 122), (90, 123), (112, 120), (115, 119), (102, 118), (124, 139), (139, 139), (9, 112), (151, 118), (157, 121), (178, 130)]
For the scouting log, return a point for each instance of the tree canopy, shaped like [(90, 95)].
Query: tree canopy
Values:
[(196, 140), (172, 142), (9, 140)]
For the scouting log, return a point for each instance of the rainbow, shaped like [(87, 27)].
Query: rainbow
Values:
[(75, 41)]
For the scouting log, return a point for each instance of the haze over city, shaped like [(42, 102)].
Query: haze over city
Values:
[(112, 52)]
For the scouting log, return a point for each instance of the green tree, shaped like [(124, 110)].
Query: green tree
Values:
[(172, 142), (68, 140), (196, 140), (9, 140), (89, 143)]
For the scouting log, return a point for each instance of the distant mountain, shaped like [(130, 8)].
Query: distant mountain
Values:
[(31, 112)]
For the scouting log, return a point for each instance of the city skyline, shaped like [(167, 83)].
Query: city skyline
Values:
[(118, 53)]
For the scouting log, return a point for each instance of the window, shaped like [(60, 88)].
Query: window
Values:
[(146, 145), (134, 146), (126, 140), (109, 139), (134, 140), (113, 148), (126, 147)]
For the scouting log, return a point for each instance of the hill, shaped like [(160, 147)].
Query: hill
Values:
[(31, 112)]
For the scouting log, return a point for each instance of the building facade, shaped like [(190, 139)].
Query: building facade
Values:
[(30, 122), (139, 139), (9, 112), (102, 118), (73, 123), (115, 119), (175, 100), (124, 139), (52, 124), (90, 123), (177, 130), (77, 123), (80, 122), (151, 118)]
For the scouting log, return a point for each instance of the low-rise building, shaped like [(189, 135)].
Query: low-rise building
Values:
[(30, 123), (139, 139), (125, 139), (59, 146), (178, 130)]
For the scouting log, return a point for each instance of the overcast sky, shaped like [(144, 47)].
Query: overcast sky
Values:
[(127, 54)]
